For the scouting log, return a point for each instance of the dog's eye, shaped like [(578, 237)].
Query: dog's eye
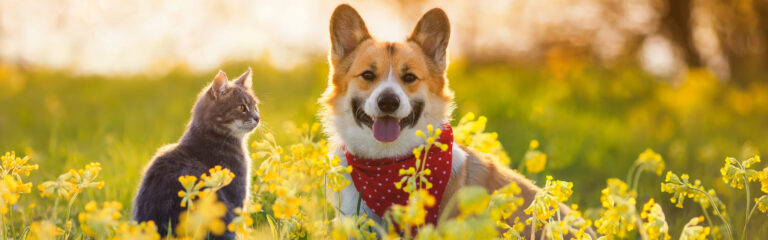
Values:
[(409, 78), (242, 108), (368, 76)]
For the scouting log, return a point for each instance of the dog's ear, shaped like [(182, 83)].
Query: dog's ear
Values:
[(347, 31), (432, 33), (218, 86), (245, 80)]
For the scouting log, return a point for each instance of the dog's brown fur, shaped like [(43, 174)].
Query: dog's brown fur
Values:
[(354, 51)]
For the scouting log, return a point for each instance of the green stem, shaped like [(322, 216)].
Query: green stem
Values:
[(631, 172), (746, 210), (55, 208), (2, 231), (717, 212), (749, 216), (359, 200), (325, 195), (643, 234), (11, 231), (709, 219), (637, 177)]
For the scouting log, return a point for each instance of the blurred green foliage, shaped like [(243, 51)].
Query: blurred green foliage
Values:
[(591, 121)]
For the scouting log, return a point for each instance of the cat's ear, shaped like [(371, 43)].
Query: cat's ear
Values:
[(219, 85), (347, 31), (245, 80), (432, 33)]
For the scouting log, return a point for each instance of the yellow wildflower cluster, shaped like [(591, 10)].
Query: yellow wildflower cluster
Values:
[(414, 213), (100, 222), (762, 203), (504, 202), (681, 187), (651, 161), (354, 227), (44, 230), (291, 186), (547, 201), (546, 204), (619, 215), (11, 182), (136, 231), (692, 231), (241, 224), (656, 222), (73, 182), (470, 132), (534, 160), (15, 166), (762, 176), (206, 218), (291, 182), (415, 178), (738, 173), (219, 177)]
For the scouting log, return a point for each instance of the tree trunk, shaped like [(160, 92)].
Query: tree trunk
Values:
[(676, 24)]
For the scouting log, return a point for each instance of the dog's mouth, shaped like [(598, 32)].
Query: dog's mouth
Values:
[(386, 128)]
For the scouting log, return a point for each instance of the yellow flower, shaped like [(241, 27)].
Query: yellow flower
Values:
[(414, 213), (681, 187), (197, 223), (656, 224), (618, 216), (762, 203), (692, 231), (334, 172), (650, 161), (546, 203), (736, 173), (353, 227), (470, 132), (72, 183), (534, 144), (473, 200), (99, 223), (504, 201), (44, 230), (242, 224), (535, 161), (139, 231), (15, 166), (763, 177), (286, 207), (219, 178)]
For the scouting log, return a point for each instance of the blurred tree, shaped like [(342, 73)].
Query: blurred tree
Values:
[(676, 25)]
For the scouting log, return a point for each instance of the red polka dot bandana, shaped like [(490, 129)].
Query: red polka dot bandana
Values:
[(375, 178)]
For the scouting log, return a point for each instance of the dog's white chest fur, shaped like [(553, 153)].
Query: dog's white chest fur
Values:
[(350, 196)]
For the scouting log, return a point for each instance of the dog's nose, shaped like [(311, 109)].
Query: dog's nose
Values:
[(388, 102)]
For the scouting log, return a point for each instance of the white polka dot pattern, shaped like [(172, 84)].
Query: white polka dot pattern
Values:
[(376, 178)]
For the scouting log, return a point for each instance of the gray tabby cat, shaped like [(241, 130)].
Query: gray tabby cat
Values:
[(223, 117)]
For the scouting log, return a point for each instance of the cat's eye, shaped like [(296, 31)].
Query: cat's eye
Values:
[(368, 76), (409, 78), (242, 108)]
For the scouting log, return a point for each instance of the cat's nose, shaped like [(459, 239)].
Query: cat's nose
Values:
[(256, 117)]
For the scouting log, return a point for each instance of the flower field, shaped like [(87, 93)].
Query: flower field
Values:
[(637, 158)]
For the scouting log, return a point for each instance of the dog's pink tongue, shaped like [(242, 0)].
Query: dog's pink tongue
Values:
[(386, 129)]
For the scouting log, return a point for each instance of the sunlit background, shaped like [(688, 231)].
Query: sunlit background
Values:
[(596, 82), (136, 36)]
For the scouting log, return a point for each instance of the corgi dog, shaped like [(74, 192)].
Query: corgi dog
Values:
[(378, 95)]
